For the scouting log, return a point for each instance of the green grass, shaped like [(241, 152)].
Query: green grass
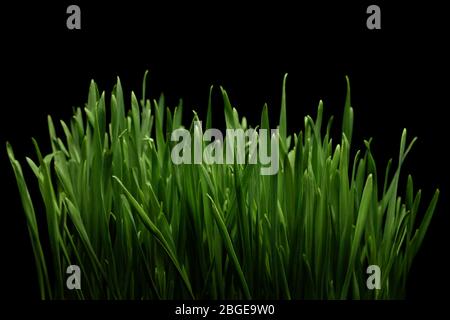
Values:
[(141, 227)]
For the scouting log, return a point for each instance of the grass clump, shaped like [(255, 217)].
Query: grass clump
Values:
[(141, 227)]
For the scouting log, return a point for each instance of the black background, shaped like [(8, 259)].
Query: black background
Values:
[(398, 79)]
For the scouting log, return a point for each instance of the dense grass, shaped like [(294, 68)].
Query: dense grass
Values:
[(141, 227)]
